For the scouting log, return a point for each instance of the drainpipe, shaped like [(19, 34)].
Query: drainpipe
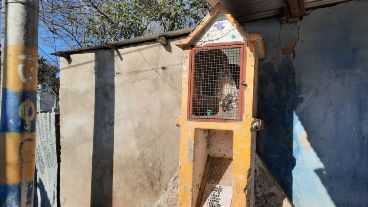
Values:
[(18, 104)]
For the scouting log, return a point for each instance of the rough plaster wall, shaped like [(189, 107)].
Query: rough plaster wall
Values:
[(220, 144), (146, 102), (119, 141), (313, 99), (169, 196), (146, 138), (76, 129)]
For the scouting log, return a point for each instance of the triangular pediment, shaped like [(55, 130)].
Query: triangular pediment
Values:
[(219, 26)]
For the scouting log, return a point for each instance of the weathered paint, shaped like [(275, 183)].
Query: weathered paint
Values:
[(145, 136), (241, 159), (21, 72), (17, 194), (18, 104), (190, 149), (18, 111), (313, 192), (219, 31), (220, 144), (243, 138), (315, 99), (18, 158)]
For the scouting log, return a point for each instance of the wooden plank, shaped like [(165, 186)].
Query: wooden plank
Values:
[(252, 8), (260, 15), (302, 7), (294, 7)]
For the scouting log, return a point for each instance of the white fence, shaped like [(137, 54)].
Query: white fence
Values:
[(47, 166)]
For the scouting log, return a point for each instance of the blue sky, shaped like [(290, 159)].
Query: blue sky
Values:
[(47, 44)]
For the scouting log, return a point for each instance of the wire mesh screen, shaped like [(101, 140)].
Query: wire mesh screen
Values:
[(215, 83)]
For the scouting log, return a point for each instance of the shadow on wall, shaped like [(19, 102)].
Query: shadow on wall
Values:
[(103, 132), (331, 146), (315, 106), (315, 142), (334, 113), (276, 103)]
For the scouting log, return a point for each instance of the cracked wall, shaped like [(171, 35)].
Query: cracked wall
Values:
[(313, 99), (119, 141)]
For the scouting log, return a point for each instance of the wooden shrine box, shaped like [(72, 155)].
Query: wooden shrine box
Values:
[(217, 122)]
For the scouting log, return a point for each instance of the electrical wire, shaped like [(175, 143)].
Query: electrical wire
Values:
[(53, 60), (171, 86)]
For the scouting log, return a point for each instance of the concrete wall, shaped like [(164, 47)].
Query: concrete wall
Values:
[(120, 143), (118, 135), (77, 98), (313, 98)]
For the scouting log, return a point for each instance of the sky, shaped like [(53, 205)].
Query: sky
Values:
[(47, 44)]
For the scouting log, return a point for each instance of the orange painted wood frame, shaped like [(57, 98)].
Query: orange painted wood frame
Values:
[(243, 57), (243, 137)]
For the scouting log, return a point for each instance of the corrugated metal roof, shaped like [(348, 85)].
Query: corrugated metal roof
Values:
[(127, 42), (250, 10)]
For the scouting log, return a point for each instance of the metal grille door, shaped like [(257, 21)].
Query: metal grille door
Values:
[(215, 83)]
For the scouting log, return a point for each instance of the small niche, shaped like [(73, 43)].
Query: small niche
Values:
[(212, 168)]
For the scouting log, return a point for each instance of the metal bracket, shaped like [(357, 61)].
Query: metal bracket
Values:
[(162, 40), (66, 56), (257, 125), (113, 47)]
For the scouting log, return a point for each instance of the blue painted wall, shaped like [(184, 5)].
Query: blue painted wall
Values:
[(314, 100)]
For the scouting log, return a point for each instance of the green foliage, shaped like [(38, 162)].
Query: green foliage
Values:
[(91, 22), (116, 20), (48, 75)]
